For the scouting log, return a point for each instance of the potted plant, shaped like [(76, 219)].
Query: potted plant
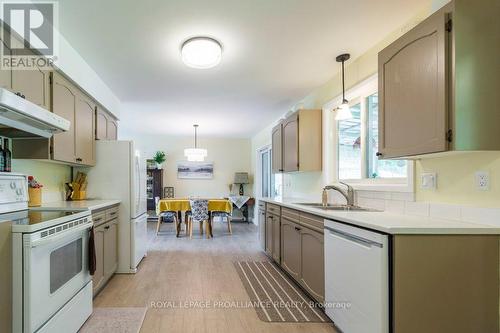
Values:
[(159, 158)]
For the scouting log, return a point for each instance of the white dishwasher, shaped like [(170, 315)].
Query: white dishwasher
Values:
[(356, 278)]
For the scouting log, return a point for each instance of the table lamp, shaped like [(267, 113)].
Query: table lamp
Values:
[(241, 178)]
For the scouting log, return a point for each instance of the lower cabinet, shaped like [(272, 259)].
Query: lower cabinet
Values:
[(312, 270), (106, 246), (262, 227), (302, 255), (290, 248)]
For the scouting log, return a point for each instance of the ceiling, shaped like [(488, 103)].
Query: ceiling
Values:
[(275, 53)]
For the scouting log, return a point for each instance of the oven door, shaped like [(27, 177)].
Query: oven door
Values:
[(55, 270)]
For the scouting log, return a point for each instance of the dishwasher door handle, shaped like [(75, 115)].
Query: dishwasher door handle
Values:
[(354, 238)]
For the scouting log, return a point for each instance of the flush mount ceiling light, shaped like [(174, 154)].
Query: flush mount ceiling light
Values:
[(343, 111), (195, 154), (201, 52)]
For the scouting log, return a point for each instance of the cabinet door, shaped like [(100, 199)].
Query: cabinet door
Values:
[(5, 74), (291, 143), (98, 277), (101, 121), (276, 239), (277, 149), (63, 104), (33, 83), (262, 229), (110, 248), (312, 274), (84, 130), (290, 247), (412, 91), (269, 235), (112, 129)]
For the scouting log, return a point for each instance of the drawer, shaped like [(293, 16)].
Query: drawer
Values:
[(290, 214), (274, 209), (262, 205), (99, 217), (313, 221), (111, 213)]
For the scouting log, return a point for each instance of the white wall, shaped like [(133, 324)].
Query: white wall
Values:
[(229, 155)]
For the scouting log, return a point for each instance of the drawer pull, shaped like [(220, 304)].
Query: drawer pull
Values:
[(298, 229), (106, 227), (112, 213)]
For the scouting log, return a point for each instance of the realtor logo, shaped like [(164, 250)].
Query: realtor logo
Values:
[(28, 34)]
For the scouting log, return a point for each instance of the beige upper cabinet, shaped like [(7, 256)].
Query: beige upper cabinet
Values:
[(33, 85), (63, 104), (5, 74), (84, 130), (291, 143), (437, 90), (301, 148), (106, 125), (277, 150), (412, 91)]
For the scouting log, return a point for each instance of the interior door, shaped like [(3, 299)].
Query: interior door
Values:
[(413, 110), (84, 130), (63, 104), (291, 143)]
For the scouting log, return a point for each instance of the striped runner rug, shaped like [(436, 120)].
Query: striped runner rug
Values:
[(274, 296)]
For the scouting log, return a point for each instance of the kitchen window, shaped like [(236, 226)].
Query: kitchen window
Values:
[(356, 145)]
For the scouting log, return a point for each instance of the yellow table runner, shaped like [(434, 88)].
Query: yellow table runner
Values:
[(176, 205)]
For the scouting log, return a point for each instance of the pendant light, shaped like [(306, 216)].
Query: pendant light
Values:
[(343, 111), (195, 154)]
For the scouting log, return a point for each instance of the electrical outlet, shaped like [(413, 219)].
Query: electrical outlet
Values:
[(482, 179), (428, 181)]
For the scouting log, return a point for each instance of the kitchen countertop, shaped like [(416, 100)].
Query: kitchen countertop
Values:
[(78, 204), (390, 223)]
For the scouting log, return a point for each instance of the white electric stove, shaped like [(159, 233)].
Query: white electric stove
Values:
[(51, 283)]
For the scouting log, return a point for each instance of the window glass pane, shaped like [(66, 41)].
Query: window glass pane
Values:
[(65, 263), (380, 168), (349, 145)]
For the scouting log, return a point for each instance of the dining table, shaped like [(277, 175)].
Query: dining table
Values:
[(180, 205)]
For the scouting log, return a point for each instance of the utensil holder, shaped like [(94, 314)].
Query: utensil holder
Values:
[(35, 197)]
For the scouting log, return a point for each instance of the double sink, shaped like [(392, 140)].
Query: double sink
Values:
[(344, 208)]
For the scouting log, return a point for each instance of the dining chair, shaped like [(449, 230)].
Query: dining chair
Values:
[(199, 213), (171, 215), (223, 215)]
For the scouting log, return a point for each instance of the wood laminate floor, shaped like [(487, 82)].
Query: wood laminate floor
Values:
[(179, 270)]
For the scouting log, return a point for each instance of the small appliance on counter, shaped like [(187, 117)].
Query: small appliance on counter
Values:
[(47, 264)]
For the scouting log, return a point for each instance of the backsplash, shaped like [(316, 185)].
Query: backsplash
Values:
[(404, 203), (51, 175)]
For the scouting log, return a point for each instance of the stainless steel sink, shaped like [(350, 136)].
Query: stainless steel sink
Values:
[(344, 208)]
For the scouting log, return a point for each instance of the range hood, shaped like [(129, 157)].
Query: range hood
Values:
[(20, 118)]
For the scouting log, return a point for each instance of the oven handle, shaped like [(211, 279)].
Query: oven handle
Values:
[(73, 231)]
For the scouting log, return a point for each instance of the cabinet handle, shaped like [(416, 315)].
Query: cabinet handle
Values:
[(20, 95), (78, 159), (112, 213), (106, 227), (378, 154), (298, 229)]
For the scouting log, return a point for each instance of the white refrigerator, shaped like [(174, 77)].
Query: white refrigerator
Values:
[(120, 173)]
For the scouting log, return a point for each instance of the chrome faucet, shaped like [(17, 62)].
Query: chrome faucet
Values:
[(347, 194)]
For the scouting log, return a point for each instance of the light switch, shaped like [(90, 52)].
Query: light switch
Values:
[(428, 181)]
